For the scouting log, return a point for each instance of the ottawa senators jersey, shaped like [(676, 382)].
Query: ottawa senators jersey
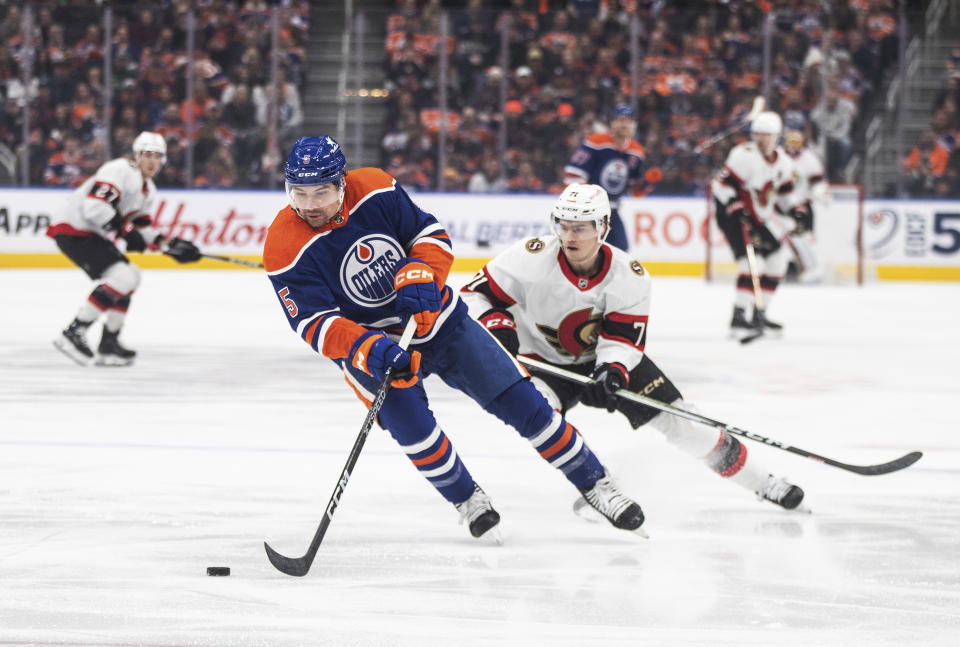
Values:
[(336, 282), (808, 177), (759, 182), (561, 317), (117, 187)]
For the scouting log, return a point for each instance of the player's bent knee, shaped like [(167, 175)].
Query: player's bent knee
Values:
[(122, 277), (523, 407)]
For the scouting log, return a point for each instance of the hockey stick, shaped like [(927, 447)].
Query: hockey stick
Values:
[(755, 278), (866, 470), (758, 106), (235, 261), (298, 566)]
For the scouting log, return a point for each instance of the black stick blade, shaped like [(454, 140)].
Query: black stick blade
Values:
[(751, 337), (297, 567), (885, 468)]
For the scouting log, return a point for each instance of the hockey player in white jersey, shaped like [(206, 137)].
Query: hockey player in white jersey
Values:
[(757, 176), (113, 204), (574, 301), (810, 194)]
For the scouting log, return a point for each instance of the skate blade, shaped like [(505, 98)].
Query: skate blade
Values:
[(589, 514), (68, 349), (112, 360), (492, 537), (741, 333)]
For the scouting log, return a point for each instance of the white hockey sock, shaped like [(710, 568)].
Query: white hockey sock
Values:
[(88, 313), (115, 320)]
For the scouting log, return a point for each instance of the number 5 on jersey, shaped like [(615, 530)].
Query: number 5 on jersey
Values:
[(288, 303)]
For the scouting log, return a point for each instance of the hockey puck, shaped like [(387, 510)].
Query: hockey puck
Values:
[(218, 570)]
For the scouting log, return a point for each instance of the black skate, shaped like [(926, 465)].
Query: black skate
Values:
[(616, 507), (740, 326), (111, 352), (72, 342), (479, 514), (779, 491), (761, 322)]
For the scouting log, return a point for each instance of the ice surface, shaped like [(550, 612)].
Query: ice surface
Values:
[(119, 486)]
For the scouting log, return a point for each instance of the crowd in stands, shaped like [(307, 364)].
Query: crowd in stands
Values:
[(700, 67), (231, 89), (932, 169)]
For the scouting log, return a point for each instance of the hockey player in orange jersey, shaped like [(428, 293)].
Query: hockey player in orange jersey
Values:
[(350, 259)]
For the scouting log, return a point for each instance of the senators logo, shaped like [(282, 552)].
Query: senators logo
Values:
[(637, 268), (577, 333), (366, 273)]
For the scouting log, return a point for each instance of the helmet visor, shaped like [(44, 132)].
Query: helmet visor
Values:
[(575, 229), (314, 196)]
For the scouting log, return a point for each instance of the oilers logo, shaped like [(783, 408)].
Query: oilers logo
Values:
[(613, 176), (366, 273)]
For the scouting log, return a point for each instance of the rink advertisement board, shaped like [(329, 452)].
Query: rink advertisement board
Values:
[(901, 239)]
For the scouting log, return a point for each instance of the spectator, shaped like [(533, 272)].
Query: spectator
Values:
[(490, 178), (833, 116)]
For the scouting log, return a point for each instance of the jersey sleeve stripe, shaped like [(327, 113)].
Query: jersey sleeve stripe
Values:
[(337, 336), (575, 173), (437, 255)]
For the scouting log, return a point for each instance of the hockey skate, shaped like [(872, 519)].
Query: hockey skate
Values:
[(111, 352), (760, 322), (613, 505), (72, 342), (784, 494), (479, 514), (740, 326)]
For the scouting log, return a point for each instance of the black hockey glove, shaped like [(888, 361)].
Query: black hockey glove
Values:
[(135, 241), (501, 325), (182, 251), (804, 219), (607, 379), (736, 210)]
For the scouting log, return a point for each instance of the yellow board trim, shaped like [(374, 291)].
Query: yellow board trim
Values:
[(914, 273)]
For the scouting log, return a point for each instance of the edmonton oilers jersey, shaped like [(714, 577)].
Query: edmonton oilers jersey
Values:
[(336, 282), (599, 161)]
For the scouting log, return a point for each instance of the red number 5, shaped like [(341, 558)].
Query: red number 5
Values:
[(288, 302)]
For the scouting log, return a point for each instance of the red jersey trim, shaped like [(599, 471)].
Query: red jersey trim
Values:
[(497, 290), (64, 229), (575, 279)]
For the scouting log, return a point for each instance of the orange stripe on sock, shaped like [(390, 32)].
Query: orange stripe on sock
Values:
[(560, 444), (435, 455)]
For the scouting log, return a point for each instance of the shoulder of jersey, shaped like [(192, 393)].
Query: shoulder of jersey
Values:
[(119, 170), (286, 238), (635, 147), (599, 140), (363, 183), (628, 266), (536, 246)]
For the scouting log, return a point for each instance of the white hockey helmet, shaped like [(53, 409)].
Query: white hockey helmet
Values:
[(584, 203), (767, 122), (150, 142)]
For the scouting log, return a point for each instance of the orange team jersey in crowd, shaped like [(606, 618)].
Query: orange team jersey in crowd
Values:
[(336, 282)]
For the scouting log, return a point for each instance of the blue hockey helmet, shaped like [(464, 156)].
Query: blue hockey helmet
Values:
[(624, 110), (315, 160)]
